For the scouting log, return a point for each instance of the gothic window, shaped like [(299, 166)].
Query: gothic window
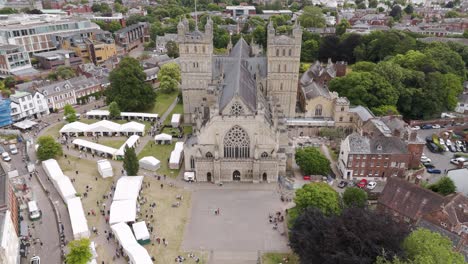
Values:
[(236, 143), (284, 67), (186, 49), (204, 49), (289, 52), (196, 49), (281, 86), (264, 155), (236, 109), (342, 109), (284, 52), (318, 110), (341, 119), (350, 119), (277, 52), (209, 155), (192, 163), (279, 68)]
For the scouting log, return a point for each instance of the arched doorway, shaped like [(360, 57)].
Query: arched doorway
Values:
[(236, 176), (264, 177), (208, 177)]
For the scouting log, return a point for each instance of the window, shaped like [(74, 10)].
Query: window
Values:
[(289, 52), (350, 119), (236, 143), (284, 52), (192, 163), (204, 49), (277, 52), (30, 105), (284, 67), (341, 119), (196, 49), (279, 68), (318, 110), (281, 86), (264, 155), (342, 109), (237, 109), (209, 155)]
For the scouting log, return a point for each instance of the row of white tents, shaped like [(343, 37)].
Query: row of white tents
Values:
[(103, 128), (104, 114), (123, 210), (68, 193), (106, 151), (177, 156)]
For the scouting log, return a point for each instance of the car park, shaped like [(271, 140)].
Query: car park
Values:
[(434, 171), (428, 126), (371, 185), (362, 183), (342, 184)]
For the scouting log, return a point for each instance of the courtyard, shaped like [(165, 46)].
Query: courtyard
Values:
[(242, 224)]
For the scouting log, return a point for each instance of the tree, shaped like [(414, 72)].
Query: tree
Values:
[(10, 82), (114, 110), (373, 3), (167, 85), (312, 162), (319, 195), (444, 186), (396, 12), (423, 246), (69, 113), (48, 148), (172, 49), (309, 50), (365, 66), (342, 26), (130, 162), (80, 252), (409, 9), (171, 70), (385, 110), (128, 87), (312, 17), (452, 14), (355, 197), (356, 235), (62, 73)]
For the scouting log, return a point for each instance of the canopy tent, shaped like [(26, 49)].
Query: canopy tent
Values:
[(132, 127), (149, 163), (94, 147), (65, 188), (131, 142), (128, 188), (123, 115), (141, 232), (52, 169), (77, 218), (179, 146), (25, 124), (74, 128), (122, 211), (103, 128), (163, 138), (136, 253), (175, 120), (175, 159), (105, 168)]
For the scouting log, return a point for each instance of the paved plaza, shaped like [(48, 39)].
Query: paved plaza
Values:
[(241, 226)]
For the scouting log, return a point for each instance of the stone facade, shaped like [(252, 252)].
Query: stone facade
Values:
[(235, 102)]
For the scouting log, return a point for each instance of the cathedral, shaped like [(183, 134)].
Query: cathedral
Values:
[(237, 104)]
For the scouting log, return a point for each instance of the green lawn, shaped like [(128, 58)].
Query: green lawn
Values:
[(276, 258), (162, 153), (188, 129), (53, 130), (163, 101), (178, 109), (112, 142)]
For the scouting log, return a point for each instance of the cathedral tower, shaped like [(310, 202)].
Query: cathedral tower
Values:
[(283, 53), (196, 51)]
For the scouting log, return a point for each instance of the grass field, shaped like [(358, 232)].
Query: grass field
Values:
[(276, 258), (53, 130), (162, 153), (112, 142), (163, 101)]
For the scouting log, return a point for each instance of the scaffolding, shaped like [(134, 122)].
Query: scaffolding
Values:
[(5, 112)]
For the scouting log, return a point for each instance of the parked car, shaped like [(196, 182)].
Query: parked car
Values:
[(371, 185), (434, 171), (351, 184), (36, 260), (34, 211), (416, 128), (425, 159), (452, 148), (6, 156), (436, 126), (306, 177), (13, 149), (342, 184), (362, 183), (427, 126), (429, 165), (433, 147)]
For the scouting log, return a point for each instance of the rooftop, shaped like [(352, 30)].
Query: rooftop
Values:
[(54, 53), (363, 112)]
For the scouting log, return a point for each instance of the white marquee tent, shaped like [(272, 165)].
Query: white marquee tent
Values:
[(136, 253), (78, 219), (94, 147), (149, 163), (141, 232), (52, 169), (65, 188), (131, 142), (175, 120), (128, 188), (163, 138), (103, 128), (176, 157), (122, 211), (123, 115), (105, 168)]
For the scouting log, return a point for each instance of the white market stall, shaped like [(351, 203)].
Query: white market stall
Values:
[(103, 128), (65, 188), (141, 232), (176, 157), (175, 120), (136, 253), (128, 188), (131, 142), (74, 129), (94, 147), (132, 128), (104, 114), (163, 138), (149, 163), (52, 169), (105, 168), (123, 211), (78, 220), (25, 124)]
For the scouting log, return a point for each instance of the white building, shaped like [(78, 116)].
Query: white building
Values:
[(237, 11), (462, 105), (25, 105), (14, 60), (9, 241)]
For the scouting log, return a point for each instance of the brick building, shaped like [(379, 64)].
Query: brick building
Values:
[(132, 36), (8, 199), (56, 58)]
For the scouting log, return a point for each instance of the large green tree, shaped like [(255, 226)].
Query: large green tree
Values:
[(319, 195), (312, 161), (80, 252), (355, 197), (312, 17), (309, 50), (130, 162), (128, 87), (171, 70), (48, 148), (69, 113), (342, 26), (114, 110), (444, 186), (425, 247)]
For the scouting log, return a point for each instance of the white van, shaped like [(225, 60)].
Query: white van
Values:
[(13, 149), (34, 212), (189, 176), (6, 156)]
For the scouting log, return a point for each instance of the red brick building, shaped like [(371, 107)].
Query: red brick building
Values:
[(8, 199)]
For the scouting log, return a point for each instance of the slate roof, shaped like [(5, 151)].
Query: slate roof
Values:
[(377, 145), (463, 98), (310, 87), (363, 112), (239, 70), (408, 199)]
